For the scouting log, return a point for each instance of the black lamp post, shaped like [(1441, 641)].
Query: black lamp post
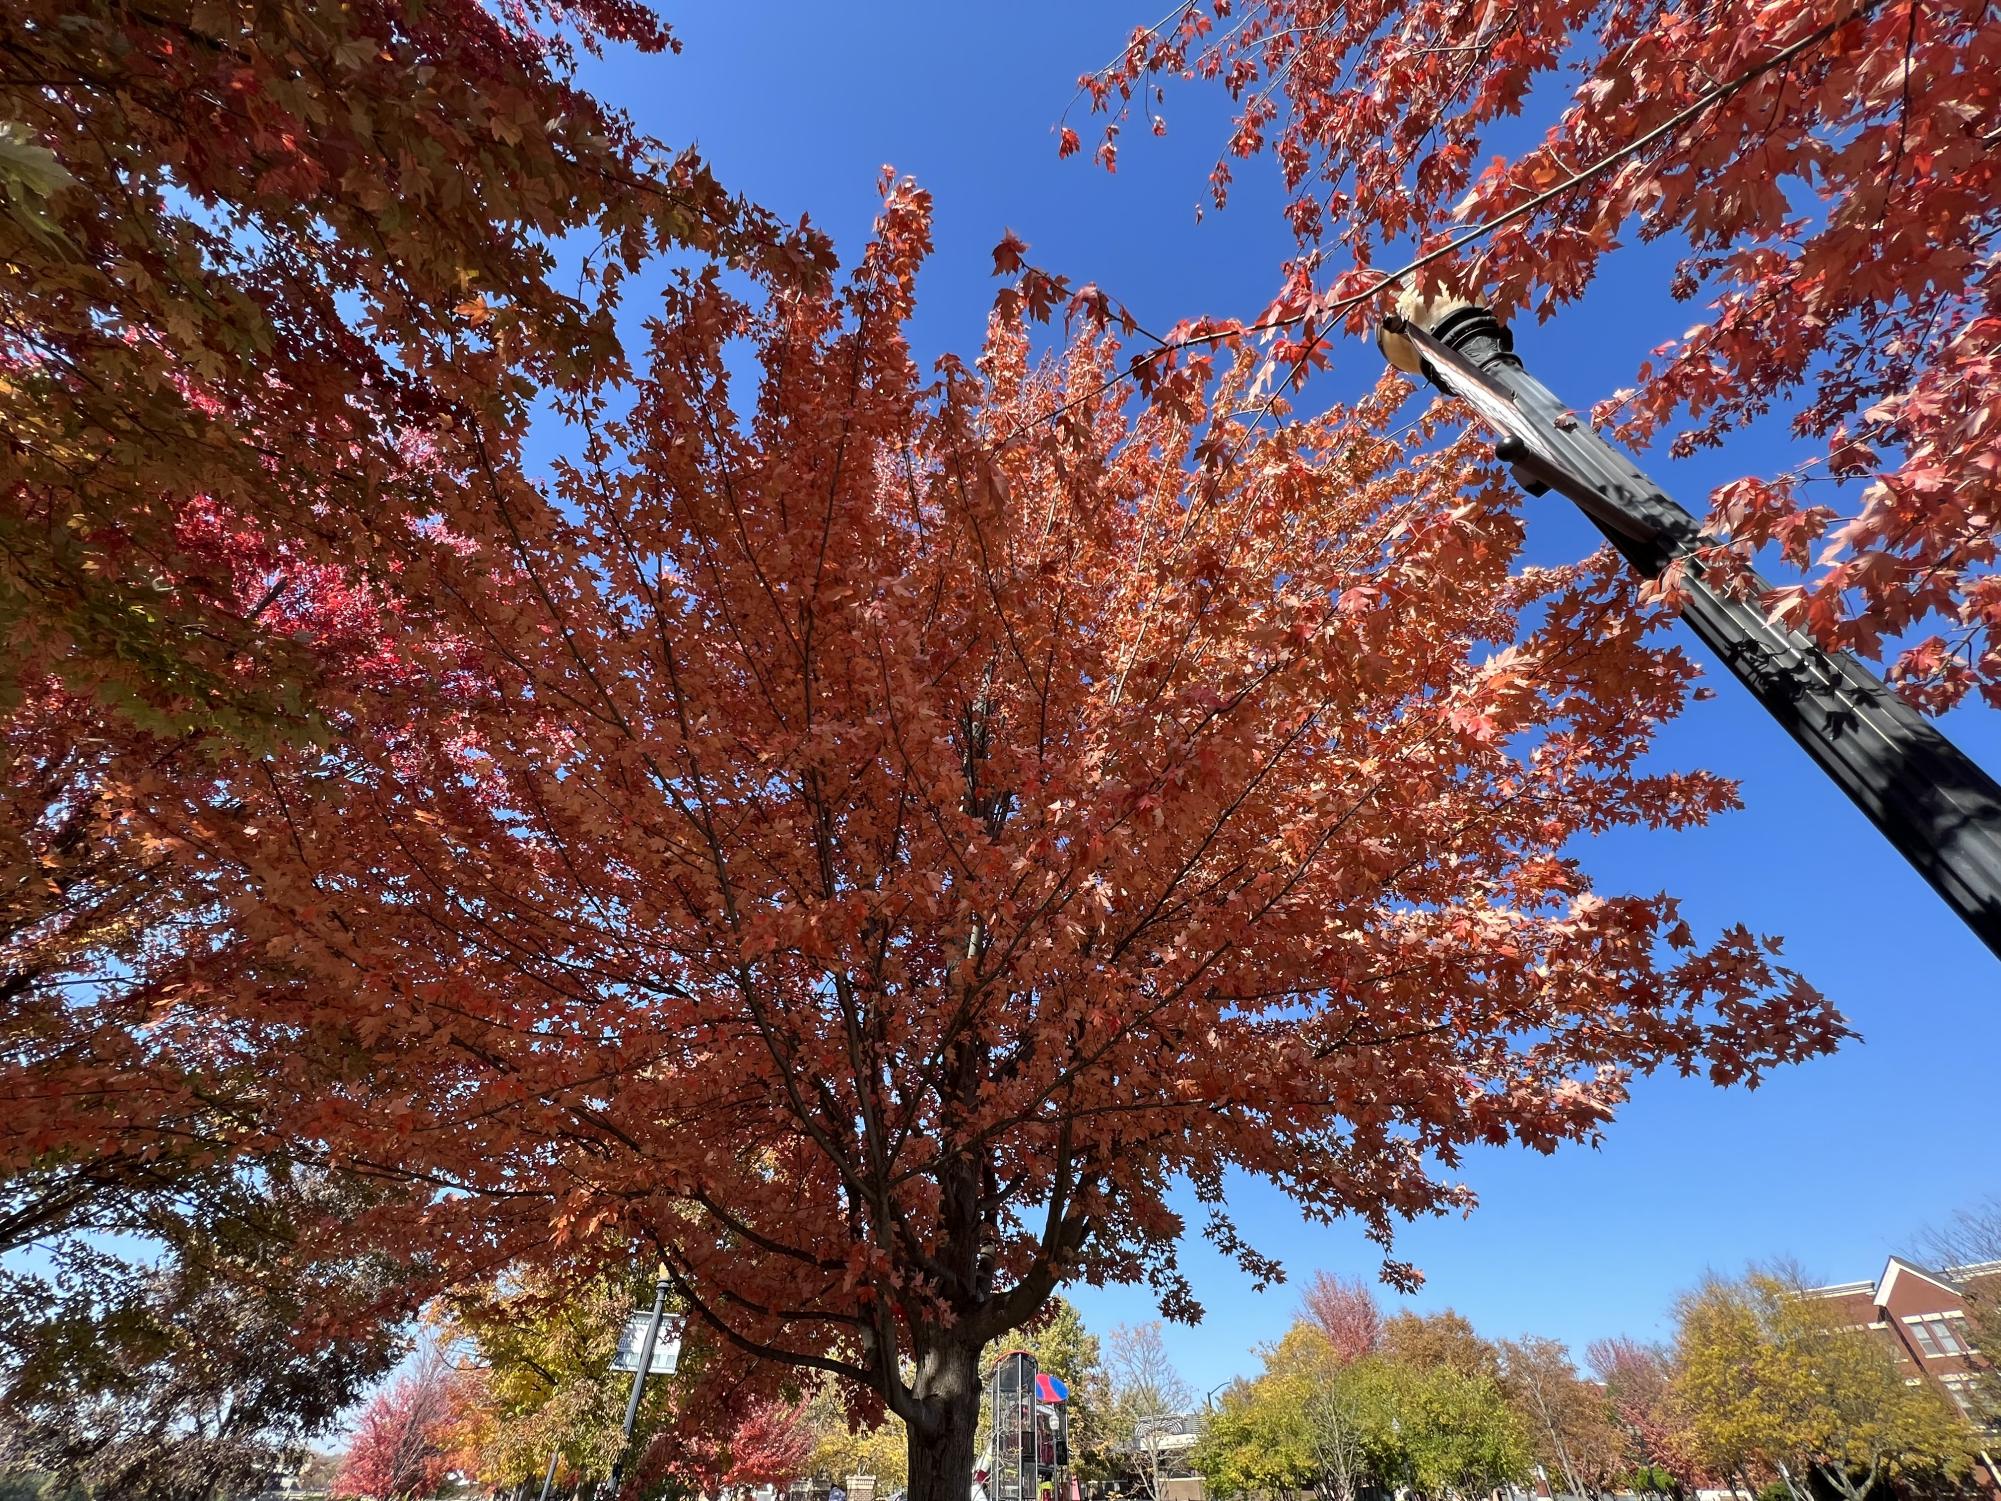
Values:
[(1940, 809), (639, 1373)]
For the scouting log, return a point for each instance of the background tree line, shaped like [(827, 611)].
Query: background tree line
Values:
[(118, 1387), (1760, 1389)]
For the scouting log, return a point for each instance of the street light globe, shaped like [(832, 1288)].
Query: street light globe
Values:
[(1427, 310)]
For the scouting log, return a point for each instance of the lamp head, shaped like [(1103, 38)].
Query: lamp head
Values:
[(1427, 310)]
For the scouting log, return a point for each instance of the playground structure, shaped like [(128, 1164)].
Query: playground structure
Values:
[(1028, 1448)]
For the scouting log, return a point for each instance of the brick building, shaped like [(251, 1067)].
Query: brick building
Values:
[(1921, 1314)]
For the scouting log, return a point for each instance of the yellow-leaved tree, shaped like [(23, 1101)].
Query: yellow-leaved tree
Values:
[(545, 1352), (1770, 1381)]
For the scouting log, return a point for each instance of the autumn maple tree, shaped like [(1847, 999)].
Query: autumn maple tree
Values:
[(1828, 175), (770, 1445), (732, 1438), (1345, 1312), (402, 1441), (862, 838), (271, 269)]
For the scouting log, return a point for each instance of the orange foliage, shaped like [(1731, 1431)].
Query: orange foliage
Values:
[(1829, 172), (860, 839), (864, 839)]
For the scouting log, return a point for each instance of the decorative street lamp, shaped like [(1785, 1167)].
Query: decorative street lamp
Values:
[(643, 1363), (1927, 797)]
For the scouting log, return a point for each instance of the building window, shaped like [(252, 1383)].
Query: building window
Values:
[(1961, 1391), (1936, 1334)]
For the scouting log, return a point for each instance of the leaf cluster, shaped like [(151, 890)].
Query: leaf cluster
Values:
[(1824, 175), (206, 1355)]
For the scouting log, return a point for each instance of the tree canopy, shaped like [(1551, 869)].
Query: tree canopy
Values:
[(202, 1347), (1320, 1421), (862, 851), (272, 269), (268, 264), (1767, 1376)]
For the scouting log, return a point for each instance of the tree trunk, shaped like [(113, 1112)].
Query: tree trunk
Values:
[(1843, 1483), (941, 1438)]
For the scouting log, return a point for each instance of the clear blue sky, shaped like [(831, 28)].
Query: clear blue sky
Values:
[(799, 104)]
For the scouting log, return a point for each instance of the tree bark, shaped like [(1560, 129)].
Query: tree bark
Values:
[(1843, 1484), (941, 1435)]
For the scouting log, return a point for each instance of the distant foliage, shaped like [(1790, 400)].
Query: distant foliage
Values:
[(1973, 1237), (1445, 1339), (770, 1445), (1318, 1421), (402, 1442), (1571, 1428), (544, 1351), (1346, 1312), (1765, 1377), (207, 1361), (1148, 1393), (1639, 1385), (864, 1444)]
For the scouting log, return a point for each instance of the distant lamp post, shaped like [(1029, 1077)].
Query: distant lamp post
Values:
[(644, 1362), (1926, 796)]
